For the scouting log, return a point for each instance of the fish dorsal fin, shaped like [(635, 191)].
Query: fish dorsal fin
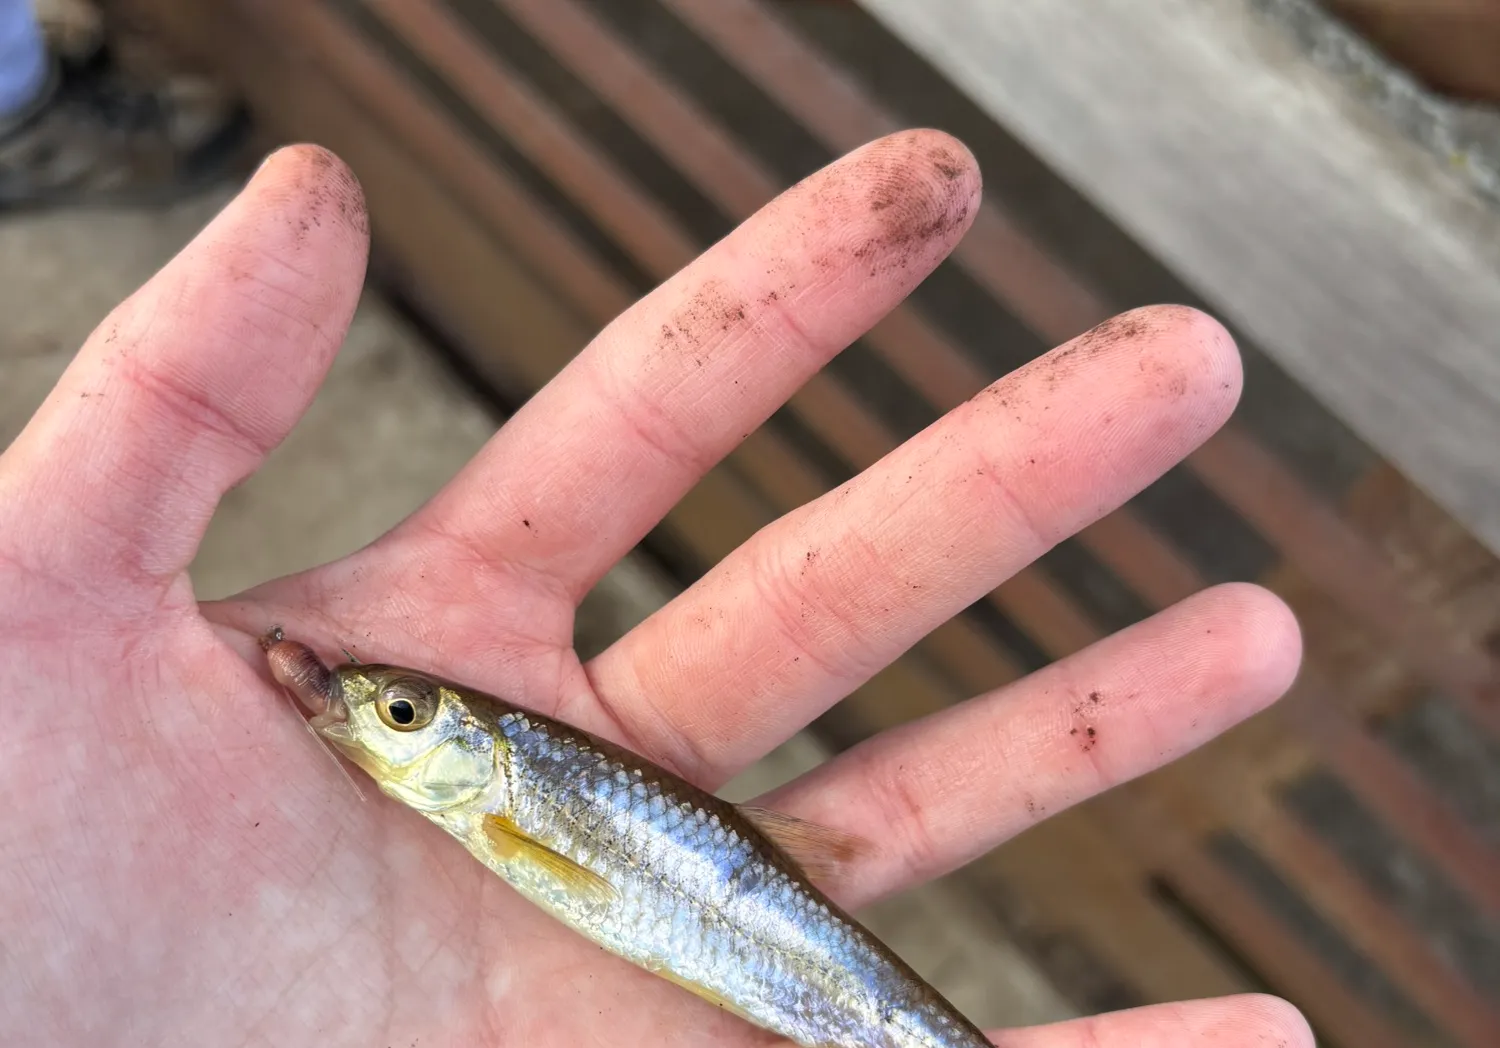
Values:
[(822, 852), (512, 844)]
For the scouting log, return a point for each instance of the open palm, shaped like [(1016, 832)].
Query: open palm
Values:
[(178, 865)]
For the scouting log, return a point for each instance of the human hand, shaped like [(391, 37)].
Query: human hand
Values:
[(178, 867)]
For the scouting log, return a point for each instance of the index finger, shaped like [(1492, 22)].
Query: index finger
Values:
[(597, 458)]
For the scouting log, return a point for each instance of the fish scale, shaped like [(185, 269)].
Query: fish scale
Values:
[(758, 938)]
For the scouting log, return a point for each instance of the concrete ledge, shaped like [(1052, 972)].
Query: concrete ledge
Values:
[(1312, 195)]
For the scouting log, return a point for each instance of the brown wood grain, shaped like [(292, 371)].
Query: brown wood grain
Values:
[(1232, 909), (1078, 878), (1370, 924)]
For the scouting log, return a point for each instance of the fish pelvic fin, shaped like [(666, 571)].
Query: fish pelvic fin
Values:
[(715, 999)]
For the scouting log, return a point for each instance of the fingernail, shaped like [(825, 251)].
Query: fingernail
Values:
[(262, 165)]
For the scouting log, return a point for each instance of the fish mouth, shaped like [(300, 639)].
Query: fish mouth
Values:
[(332, 722), (297, 668), (333, 727)]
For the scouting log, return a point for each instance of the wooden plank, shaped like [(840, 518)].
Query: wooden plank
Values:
[(1076, 876), (1456, 578), (537, 130), (1265, 494), (1149, 566), (1370, 925), (1452, 573), (1397, 794), (1233, 909), (1355, 258)]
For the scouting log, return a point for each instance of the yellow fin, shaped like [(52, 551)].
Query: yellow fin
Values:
[(511, 843), (699, 991), (820, 851)]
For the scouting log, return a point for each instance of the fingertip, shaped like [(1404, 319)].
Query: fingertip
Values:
[(1206, 349), (946, 161), (917, 184), (314, 175), (1271, 1019), (1107, 413), (1209, 345), (1283, 635), (1263, 635), (1182, 359), (882, 216)]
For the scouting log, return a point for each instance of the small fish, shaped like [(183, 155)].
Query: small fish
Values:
[(715, 897)]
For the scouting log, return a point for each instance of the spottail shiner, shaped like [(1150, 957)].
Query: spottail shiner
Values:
[(715, 897)]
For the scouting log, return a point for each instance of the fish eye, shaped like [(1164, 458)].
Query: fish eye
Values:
[(407, 704)]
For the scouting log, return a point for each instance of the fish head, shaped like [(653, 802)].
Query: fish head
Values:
[(411, 733)]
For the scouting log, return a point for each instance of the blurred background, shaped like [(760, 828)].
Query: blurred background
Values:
[(1321, 176)]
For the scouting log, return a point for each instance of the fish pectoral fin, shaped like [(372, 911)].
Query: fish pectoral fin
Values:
[(821, 851), (512, 844)]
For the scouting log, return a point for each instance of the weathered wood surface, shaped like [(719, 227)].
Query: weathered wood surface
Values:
[(1357, 259)]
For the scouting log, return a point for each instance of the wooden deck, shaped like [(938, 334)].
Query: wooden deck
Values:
[(535, 165)]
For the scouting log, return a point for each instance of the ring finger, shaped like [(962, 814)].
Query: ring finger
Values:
[(936, 793)]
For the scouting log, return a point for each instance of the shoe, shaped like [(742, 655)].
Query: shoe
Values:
[(94, 137)]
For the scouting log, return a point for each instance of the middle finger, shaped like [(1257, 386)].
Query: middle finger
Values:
[(816, 604)]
